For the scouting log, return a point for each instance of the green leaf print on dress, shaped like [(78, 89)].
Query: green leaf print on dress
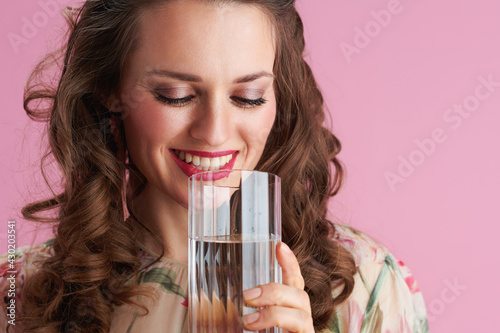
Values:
[(165, 277)]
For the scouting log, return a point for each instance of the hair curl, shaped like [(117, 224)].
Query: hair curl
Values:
[(95, 254)]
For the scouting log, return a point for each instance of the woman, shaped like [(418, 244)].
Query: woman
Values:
[(148, 87)]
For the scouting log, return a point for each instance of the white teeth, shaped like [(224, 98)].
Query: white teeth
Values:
[(205, 162), (215, 163)]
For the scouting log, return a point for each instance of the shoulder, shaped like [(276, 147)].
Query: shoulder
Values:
[(386, 296), (15, 267), (368, 254), (364, 249), (23, 262), (24, 258)]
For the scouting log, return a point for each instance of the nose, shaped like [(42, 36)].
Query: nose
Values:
[(213, 123)]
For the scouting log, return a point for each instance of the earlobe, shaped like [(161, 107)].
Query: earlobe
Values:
[(112, 104), (115, 106), (116, 127), (109, 102)]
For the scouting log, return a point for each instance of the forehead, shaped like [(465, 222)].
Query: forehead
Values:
[(210, 39)]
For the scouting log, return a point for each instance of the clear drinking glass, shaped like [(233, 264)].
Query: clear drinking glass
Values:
[(234, 227)]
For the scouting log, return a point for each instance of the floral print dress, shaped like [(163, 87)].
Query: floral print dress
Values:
[(385, 299)]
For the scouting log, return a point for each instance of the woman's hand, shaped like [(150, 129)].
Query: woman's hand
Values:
[(287, 305)]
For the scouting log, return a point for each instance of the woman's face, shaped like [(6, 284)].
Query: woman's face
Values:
[(198, 92)]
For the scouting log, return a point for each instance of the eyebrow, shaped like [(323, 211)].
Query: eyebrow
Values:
[(194, 78)]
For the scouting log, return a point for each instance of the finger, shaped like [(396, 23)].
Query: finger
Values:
[(292, 320), (273, 294), (290, 268)]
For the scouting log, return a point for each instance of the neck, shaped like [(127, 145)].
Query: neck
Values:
[(166, 219)]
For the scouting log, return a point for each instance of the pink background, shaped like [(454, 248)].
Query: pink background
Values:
[(394, 85)]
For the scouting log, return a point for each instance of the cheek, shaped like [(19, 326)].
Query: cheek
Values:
[(151, 125), (142, 127), (257, 131), (264, 125)]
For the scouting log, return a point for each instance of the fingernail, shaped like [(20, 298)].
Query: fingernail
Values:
[(286, 249), (250, 318), (252, 293)]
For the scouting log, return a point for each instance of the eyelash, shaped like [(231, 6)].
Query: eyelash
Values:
[(244, 102), (174, 101), (250, 102)]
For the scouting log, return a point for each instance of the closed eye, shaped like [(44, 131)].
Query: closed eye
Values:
[(174, 101), (245, 102)]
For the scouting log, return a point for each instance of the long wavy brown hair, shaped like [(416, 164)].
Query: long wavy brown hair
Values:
[(94, 264)]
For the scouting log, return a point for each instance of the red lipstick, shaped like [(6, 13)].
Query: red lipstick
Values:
[(209, 154), (190, 170)]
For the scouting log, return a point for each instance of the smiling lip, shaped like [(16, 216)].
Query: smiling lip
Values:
[(208, 153), (190, 170)]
